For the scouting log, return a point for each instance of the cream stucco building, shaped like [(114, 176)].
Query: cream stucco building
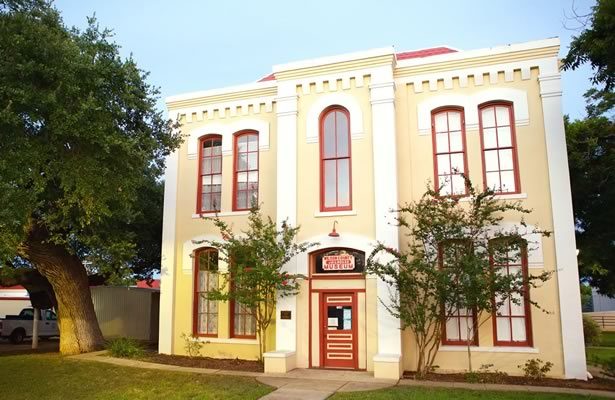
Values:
[(347, 138)]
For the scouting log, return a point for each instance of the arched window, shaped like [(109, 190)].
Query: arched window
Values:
[(512, 323), (335, 165), (449, 145), (210, 174), (500, 167), (205, 318), (245, 182)]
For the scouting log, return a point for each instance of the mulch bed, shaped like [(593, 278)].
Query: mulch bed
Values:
[(595, 384), (204, 362)]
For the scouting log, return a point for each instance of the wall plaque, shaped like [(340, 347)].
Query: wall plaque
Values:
[(285, 314)]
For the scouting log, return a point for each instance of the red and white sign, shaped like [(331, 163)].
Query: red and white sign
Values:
[(340, 262)]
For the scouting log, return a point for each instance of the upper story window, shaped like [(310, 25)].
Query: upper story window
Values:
[(205, 279), (449, 144), (210, 174), (500, 168), (512, 321), (245, 182), (335, 165)]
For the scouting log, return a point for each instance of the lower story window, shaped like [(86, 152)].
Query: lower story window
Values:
[(244, 321), (206, 280), (460, 325)]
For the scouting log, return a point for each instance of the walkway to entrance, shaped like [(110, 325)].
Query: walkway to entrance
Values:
[(318, 384)]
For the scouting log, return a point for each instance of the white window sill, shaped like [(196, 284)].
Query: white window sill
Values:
[(513, 196), (322, 214), (225, 340), (491, 349), (221, 214)]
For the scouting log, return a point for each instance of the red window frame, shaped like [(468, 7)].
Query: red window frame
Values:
[(434, 113), (513, 141), (458, 316), (236, 171), (337, 158), (200, 175), (197, 292), (528, 342), (232, 322)]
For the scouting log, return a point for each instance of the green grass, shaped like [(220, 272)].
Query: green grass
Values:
[(413, 393), (50, 376), (607, 339), (598, 355)]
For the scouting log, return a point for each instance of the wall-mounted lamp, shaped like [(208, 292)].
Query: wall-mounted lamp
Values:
[(334, 233)]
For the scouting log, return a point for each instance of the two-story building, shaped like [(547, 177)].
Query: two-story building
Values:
[(346, 139)]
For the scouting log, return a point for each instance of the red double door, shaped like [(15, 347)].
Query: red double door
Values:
[(338, 330)]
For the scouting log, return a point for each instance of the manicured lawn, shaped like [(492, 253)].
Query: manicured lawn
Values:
[(598, 355), (607, 339), (412, 393), (50, 376)]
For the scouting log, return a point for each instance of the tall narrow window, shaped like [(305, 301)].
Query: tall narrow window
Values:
[(460, 324), (500, 168), (449, 145), (205, 279), (245, 187), (335, 167), (210, 174), (512, 321)]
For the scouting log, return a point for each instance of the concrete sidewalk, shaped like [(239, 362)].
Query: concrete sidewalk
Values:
[(316, 384)]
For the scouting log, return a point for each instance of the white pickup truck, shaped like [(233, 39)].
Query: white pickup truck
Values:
[(18, 327)]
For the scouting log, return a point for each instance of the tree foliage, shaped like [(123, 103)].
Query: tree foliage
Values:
[(82, 142), (446, 264), (256, 258)]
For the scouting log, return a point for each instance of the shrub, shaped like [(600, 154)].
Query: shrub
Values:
[(591, 331), (535, 368), (125, 348), (192, 345), (485, 375), (608, 367)]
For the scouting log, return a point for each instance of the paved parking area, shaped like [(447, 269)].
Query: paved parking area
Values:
[(44, 346)]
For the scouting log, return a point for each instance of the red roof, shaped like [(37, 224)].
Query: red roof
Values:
[(434, 51), (12, 287), (154, 284)]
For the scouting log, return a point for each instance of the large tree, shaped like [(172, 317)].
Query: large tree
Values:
[(81, 142), (591, 147)]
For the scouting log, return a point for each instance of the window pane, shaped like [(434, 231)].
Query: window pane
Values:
[(217, 150), (503, 329), (342, 134), (343, 182), (216, 181), (508, 181), (489, 138), (504, 139), (452, 329), (206, 203), (518, 328), (242, 177), (206, 166), (216, 199), (458, 185), (456, 142), (516, 306), (253, 176), (502, 115), (442, 143), (330, 183), (506, 159), (242, 161), (440, 122), (493, 180), (329, 135), (444, 164), (454, 121), (242, 144), (446, 185), (491, 160), (252, 161), (504, 308), (252, 142), (457, 162), (488, 117), (216, 165), (242, 201)]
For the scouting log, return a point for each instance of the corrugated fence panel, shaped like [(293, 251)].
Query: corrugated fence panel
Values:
[(123, 311)]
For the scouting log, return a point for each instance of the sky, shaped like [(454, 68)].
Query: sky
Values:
[(191, 45)]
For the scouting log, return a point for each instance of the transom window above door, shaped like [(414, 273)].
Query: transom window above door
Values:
[(335, 161)]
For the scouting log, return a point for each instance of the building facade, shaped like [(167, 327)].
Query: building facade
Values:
[(346, 139)]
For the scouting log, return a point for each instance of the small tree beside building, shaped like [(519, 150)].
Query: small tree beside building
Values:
[(256, 257), (460, 268)]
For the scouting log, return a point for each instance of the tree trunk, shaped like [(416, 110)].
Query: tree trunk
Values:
[(79, 330)]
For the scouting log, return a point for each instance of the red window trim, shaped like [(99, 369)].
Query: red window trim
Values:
[(195, 303), (529, 342), (324, 113), (444, 340), (236, 137), (199, 194), (434, 112), (513, 138)]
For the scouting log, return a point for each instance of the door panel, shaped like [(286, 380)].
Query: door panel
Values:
[(339, 330)]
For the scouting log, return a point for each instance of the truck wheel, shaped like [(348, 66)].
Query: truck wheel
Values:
[(17, 336)]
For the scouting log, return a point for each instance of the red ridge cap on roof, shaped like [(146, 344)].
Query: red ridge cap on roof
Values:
[(12, 287), (434, 51), (270, 77)]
